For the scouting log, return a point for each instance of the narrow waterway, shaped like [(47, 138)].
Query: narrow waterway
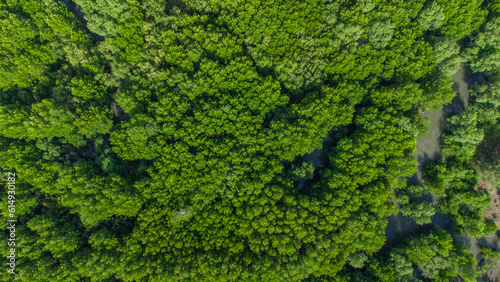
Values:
[(428, 150), (77, 11), (317, 155), (429, 146)]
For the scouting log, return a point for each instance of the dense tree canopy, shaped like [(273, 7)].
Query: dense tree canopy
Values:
[(162, 140)]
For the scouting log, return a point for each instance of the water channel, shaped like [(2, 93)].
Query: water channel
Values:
[(428, 149), (76, 10)]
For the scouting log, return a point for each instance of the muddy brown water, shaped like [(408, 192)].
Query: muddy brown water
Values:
[(428, 150)]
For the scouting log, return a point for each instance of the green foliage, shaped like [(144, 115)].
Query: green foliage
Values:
[(431, 17), (447, 56), (56, 239), (48, 120), (86, 195), (411, 206), (470, 143), (487, 94), (491, 258), (483, 57), (24, 56), (487, 157), (380, 34), (401, 97), (192, 177), (87, 88), (357, 260), (51, 151), (11, 121), (93, 121), (433, 253), (415, 125), (462, 202), (465, 135), (484, 47), (301, 169), (437, 92), (135, 140), (102, 15), (436, 178), (462, 17)]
